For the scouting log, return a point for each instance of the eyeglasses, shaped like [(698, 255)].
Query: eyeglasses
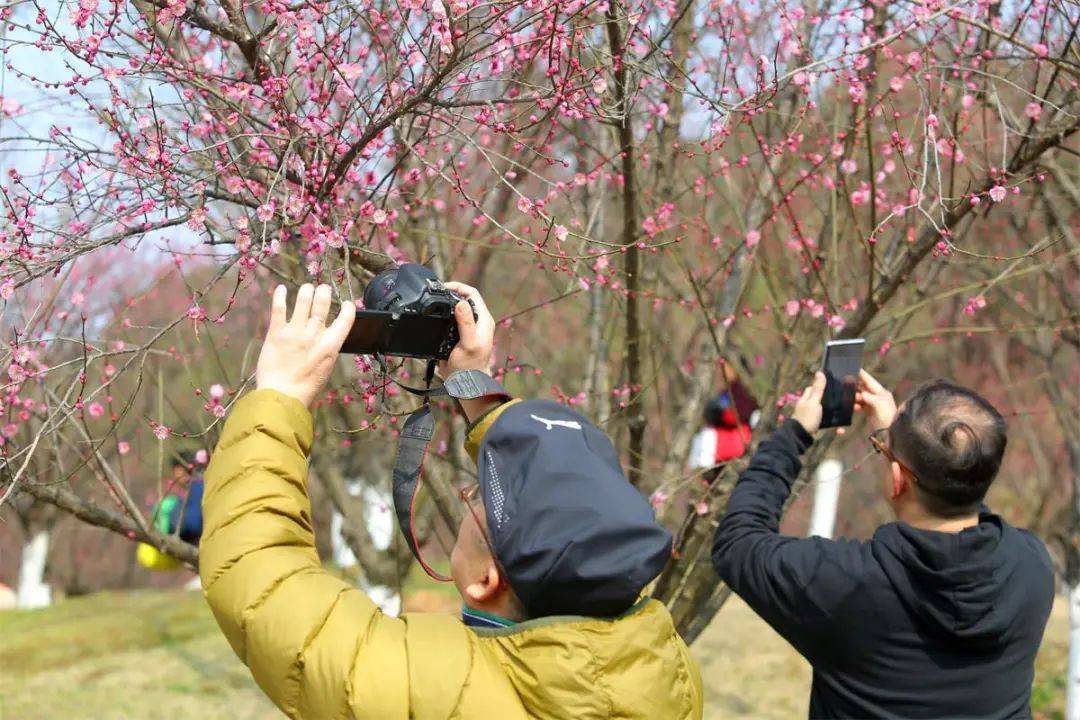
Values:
[(882, 449), (469, 493)]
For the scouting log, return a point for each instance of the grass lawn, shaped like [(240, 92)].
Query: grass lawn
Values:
[(148, 654)]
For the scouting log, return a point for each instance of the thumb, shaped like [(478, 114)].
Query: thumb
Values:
[(466, 323), (818, 386)]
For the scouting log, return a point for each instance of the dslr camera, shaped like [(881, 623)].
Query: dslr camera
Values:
[(408, 312)]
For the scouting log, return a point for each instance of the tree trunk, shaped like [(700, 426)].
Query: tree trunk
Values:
[(32, 592), (826, 495), (1072, 686)]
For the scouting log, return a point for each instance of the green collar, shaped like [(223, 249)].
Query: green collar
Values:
[(512, 628), (480, 619)]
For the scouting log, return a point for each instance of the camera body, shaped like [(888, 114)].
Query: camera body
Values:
[(408, 313)]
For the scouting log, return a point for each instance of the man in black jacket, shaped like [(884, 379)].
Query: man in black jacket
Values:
[(941, 613)]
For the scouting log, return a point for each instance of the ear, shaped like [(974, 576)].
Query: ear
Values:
[(487, 586), (899, 481)]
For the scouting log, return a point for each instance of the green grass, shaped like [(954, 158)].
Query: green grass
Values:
[(144, 654), (151, 654), (83, 628)]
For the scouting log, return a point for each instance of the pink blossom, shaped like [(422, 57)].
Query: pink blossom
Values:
[(791, 307), (265, 212), (219, 411), (997, 193), (1041, 49), (752, 238), (7, 289), (860, 197), (95, 409), (123, 447), (896, 84), (217, 391), (561, 232), (9, 106), (379, 217), (701, 508), (201, 456), (658, 498), (197, 219), (1033, 110), (162, 432), (967, 101), (525, 205), (848, 166), (974, 304), (351, 71)]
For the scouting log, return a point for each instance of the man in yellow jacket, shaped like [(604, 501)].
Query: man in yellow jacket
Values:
[(321, 649)]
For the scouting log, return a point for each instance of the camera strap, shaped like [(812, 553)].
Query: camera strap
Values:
[(413, 443)]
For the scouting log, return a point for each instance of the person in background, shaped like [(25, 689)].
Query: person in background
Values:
[(729, 419), (179, 512), (185, 516), (940, 613)]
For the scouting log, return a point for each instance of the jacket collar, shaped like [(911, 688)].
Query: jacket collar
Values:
[(480, 619)]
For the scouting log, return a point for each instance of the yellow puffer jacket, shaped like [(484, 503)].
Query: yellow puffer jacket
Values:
[(321, 649)]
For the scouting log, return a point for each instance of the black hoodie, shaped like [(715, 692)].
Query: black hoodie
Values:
[(912, 624)]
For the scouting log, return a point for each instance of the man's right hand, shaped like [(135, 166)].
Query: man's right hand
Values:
[(476, 336), (475, 347), (873, 399)]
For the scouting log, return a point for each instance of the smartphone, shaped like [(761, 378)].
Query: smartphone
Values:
[(841, 364), (401, 335)]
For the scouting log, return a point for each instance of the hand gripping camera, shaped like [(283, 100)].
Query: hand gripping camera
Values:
[(408, 313)]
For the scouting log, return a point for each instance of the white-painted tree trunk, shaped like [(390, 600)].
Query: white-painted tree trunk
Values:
[(1072, 687), (380, 526), (826, 495), (32, 591)]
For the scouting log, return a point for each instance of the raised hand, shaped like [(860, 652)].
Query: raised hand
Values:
[(299, 352), (875, 401), (476, 337)]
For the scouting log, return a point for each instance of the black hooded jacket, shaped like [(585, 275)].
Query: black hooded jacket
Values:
[(912, 624)]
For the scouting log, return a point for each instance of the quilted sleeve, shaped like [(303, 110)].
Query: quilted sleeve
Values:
[(317, 646)]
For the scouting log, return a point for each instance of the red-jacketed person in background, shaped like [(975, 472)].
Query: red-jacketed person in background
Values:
[(551, 560)]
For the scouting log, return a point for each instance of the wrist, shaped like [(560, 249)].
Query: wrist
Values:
[(284, 389), (478, 407), (804, 437)]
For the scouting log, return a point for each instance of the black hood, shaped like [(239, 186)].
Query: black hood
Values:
[(960, 585)]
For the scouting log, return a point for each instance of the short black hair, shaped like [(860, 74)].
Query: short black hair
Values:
[(953, 439), (714, 410)]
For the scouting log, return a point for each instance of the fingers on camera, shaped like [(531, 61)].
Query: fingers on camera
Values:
[(466, 323)]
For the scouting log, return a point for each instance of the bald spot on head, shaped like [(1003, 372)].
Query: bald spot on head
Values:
[(954, 441)]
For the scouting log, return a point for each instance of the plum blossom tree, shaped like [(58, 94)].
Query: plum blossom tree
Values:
[(639, 189)]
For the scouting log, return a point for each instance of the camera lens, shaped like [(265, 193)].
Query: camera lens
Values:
[(379, 294)]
